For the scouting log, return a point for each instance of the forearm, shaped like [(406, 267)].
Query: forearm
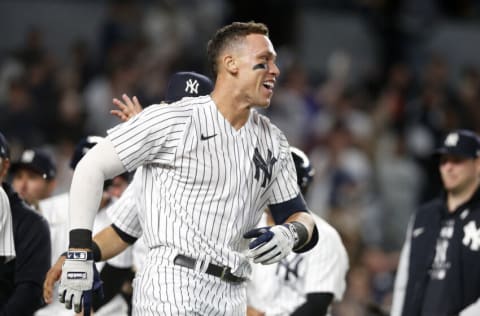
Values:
[(99, 164), (317, 304), (110, 243), (305, 219)]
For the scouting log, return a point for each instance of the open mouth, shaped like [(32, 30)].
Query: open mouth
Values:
[(269, 85)]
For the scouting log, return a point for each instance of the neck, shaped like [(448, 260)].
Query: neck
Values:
[(229, 102), (457, 198)]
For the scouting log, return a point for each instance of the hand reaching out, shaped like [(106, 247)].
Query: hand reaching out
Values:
[(128, 108), (52, 277)]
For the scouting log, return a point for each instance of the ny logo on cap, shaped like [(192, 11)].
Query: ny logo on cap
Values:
[(192, 85), (451, 140), (27, 156)]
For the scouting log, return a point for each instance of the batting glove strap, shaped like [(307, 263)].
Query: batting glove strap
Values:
[(301, 234), (271, 244), (79, 279)]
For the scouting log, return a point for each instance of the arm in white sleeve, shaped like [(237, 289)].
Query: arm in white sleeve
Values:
[(401, 280), (99, 164)]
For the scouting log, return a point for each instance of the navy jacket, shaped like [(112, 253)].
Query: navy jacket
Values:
[(462, 256), (21, 279)]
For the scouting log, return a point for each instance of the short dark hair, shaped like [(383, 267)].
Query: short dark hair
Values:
[(229, 34)]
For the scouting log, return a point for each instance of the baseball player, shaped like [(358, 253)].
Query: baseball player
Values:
[(7, 246), (21, 277), (304, 283), (33, 176), (211, 164), (54, 209), (126, 202)]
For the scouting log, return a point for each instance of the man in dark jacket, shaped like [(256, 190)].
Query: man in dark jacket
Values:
[(21, 278), (439, 271)]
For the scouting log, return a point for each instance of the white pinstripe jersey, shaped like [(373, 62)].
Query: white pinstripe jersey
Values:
[(126, 214), (279, 289), (204, 184), (7, 246)]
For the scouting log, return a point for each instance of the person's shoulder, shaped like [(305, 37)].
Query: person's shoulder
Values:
[(27, 221), (436, 204), (3, 196), (267, 127), (55, 208), (186, 103), (327, 231)]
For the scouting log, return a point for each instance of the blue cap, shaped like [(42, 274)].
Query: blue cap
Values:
[(83, 146), (4, 150), (187, 84), (462, 143), (38, 161)]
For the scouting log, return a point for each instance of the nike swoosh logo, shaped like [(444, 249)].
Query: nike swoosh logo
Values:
[(203, 137), (417, 232)]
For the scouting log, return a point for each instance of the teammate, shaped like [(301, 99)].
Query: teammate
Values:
[(34, 176), (305, 283), (211, 165), (439, 272), (21, 277), (55, 210), (7, 246)]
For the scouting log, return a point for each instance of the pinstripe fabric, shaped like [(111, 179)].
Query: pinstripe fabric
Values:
[(200, 188), (280, 289), (7, 247), (124, 212)]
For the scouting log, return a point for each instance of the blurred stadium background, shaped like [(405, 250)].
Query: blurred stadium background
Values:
[(368, 88)]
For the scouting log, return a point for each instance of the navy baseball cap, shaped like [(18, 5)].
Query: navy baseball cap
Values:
[(83, 146), (462, 143), (38, 161), (4, 150), (187, 84)]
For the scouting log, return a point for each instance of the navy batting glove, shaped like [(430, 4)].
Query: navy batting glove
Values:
[(271, 244)]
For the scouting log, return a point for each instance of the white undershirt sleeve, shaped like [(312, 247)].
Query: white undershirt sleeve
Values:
[(99, 164)]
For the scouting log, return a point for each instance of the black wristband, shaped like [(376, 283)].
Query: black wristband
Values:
[(302, 234), (97, 253), (81, 238)]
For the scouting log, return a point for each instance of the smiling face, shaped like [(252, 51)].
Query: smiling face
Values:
[(459, 174), (257, 71)]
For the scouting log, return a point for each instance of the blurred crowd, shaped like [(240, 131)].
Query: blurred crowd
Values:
[(370, 139)]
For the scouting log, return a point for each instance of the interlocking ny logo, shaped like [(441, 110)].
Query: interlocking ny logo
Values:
[(265, 166), (192, 86), (290, 268), (451, 140), (472, 236)]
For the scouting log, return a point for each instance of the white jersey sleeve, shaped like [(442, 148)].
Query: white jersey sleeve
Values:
[(7, 246), (152, 135), (284, 185), (55, 211), (327, 263), (124, 212), (281, 288)]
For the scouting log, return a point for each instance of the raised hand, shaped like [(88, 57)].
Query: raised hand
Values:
[(128, 108)]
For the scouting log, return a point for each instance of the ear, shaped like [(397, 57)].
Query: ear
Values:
[(230, 64)]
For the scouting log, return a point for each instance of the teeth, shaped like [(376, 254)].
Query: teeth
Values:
[(269, 84)]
